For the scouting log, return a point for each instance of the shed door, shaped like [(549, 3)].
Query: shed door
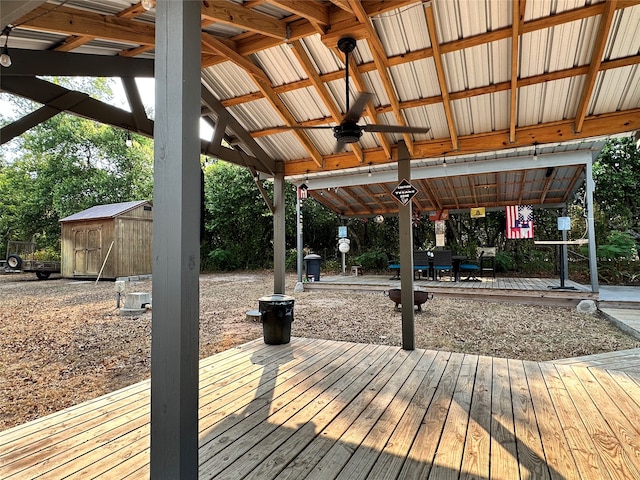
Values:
[(87, 248)]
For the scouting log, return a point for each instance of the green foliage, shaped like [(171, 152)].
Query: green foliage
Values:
[(617, 176), (68, 164), (47, 254), (221, 259), (238, 224), (620, 245), (372, 260), (504, 262)]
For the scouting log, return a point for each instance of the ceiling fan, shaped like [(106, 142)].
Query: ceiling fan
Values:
[(349, 131)]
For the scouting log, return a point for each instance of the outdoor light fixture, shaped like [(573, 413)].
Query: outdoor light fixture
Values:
[(369, 173), (148, 4), (535, 152), (129, 142), (5, 59), (444, 163)]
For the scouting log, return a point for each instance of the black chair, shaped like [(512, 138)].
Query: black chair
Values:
[(471, 268), (487, 260), (442, 262)]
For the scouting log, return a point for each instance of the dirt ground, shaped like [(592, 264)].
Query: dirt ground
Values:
[(63, 341)]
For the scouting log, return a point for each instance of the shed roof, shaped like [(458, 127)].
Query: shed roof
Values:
[(111, 210)]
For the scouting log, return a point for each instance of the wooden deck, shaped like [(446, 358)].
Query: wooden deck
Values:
[(499, 289), (321, 409)]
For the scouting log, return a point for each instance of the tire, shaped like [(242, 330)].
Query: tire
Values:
[(14, 262), (43, 275)]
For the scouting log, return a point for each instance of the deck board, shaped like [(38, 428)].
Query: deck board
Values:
[(324, 409)]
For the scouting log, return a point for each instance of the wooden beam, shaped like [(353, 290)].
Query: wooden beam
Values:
[(594, 126), (446, 101), (72, 21), (281, 109), (321, 89), (243, 62), (236, 15), (380, 59), (315, 12), (354, 70), (517, 21), (596, 59)]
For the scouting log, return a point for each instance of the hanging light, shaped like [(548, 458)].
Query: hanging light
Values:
[(535, 152), (129, 141), (444, 163), (369, 173), (148, 4), (5, 59)]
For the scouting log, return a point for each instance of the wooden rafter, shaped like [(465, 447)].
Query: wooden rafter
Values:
[(517, 22), (545, 188), (375, 199), (380, 59), (442, 81), (355, 200), (572, 184), (316, 13), (75, 41), (458, 95), (594, 126), (321, 89), (596, 58), (428, 190), (356, 76), (236, 15)]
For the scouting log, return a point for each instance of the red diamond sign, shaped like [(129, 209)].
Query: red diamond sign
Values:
[(404, 192)]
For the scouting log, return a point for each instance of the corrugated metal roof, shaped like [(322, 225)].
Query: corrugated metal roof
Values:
[(104, 211), (554, 55)]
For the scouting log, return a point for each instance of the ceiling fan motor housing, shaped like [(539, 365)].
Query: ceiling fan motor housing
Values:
[(348, 132)]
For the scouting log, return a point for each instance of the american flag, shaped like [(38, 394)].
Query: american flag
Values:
[(520, 221)]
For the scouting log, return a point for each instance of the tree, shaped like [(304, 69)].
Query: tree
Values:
[(617, 176), (65, 165)]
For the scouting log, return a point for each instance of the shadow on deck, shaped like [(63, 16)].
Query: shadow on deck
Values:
[(324, 409)]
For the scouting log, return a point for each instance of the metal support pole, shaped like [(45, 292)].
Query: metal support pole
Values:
[(176, 243), (591, 229), (406, 254), (300, 244), (279, 247), (565, 251)]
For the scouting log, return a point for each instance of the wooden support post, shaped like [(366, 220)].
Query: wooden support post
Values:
[(279, 247), (176, 243), (406, 254)]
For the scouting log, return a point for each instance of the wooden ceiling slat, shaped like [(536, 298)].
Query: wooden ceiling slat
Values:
[(596, 58), (517, 22), (442, 81)]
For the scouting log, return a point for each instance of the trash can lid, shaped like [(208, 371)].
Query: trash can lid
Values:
[(312, 256), (276, 298)]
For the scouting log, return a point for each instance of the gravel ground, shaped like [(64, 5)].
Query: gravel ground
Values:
[(63, 342)]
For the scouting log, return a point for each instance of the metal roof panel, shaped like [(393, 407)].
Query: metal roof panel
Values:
[(104, 211)]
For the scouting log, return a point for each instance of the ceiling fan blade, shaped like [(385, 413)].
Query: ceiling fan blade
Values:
[(355, 112), (339, 146), (394, 129), (301, 127)]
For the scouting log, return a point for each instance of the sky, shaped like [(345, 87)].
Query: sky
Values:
[(146, 87)]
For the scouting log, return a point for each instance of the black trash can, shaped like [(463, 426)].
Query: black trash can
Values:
[(312, 267), (277, 315)]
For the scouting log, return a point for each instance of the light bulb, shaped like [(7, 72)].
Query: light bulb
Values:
[(444, 163), (129, 142), (148, 4), (5, 59)]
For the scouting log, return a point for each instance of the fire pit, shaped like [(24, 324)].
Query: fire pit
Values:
[(419, 297)]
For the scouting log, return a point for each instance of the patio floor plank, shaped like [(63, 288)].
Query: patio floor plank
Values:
[(325, 409)]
